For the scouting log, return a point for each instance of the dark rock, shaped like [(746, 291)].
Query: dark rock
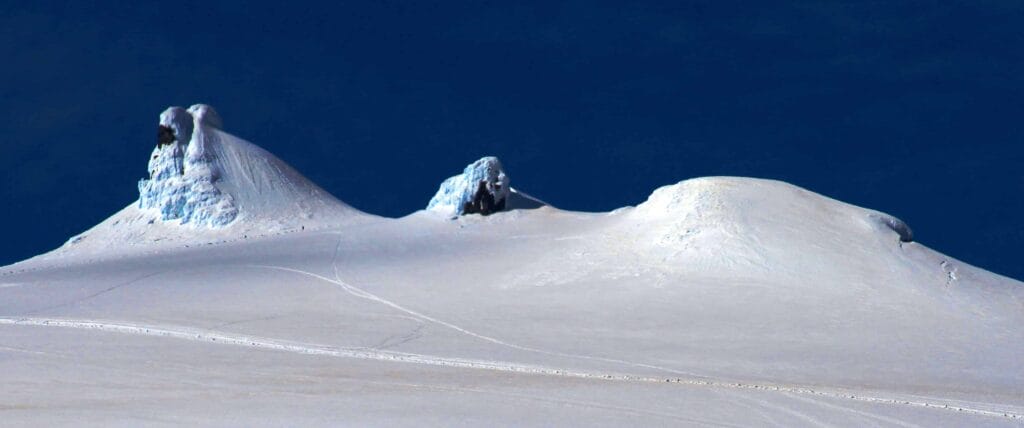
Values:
[(164, 135), (483, 202)]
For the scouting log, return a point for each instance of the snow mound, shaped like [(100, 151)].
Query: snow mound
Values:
[(758, 226), (483, 187), (752, 205), (204, 182)]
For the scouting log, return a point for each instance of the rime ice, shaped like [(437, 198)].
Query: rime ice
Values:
[(483, 187), (183, 175)]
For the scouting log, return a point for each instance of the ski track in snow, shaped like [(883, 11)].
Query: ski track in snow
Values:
[(886, 419), (767, 418), (192, 334), (358, 292), (811, 421)]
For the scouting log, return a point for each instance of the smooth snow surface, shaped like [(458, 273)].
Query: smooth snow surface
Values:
[(716, 302)]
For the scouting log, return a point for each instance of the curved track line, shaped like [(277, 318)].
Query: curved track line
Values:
[(201, 335), (760, 410), (868, 415), (812, 421), (358, 292), (363, 294)]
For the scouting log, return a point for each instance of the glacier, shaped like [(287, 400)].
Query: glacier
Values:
[(717, 301)]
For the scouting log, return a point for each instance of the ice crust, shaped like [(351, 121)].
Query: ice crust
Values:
[(183, 174), (455, 192)]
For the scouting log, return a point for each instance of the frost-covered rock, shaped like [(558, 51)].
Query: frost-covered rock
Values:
[(182, 174), (483, 187), (179, 121), (206, 185), (206, 115)]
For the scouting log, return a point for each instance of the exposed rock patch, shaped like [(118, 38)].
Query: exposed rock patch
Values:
[(164, 135)]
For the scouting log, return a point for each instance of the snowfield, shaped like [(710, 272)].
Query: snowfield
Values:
[(718, 301)]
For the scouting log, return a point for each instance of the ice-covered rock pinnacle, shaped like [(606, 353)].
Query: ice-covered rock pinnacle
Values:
[(206, 115), (204, 183), (482, 188), (181, 172)]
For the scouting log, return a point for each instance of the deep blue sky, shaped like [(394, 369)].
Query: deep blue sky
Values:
[(915, 109)]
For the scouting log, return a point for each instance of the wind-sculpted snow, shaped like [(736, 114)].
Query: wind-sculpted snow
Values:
[(205, 184), (760, 224), (206, 116), (718, 301), (182, 183), (896, 225), (457, 194), (181, 122)]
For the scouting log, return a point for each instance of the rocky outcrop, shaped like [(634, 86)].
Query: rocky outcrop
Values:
[(482, 188), (483, 202)]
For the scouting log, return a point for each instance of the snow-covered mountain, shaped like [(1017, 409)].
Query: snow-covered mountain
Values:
[(718, 301), (205, 184)]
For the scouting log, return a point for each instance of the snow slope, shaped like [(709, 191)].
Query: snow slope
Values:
[(718, 301), (208, 185)]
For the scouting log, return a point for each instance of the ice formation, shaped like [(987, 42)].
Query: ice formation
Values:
[(182, 174), (483, 187), (204, 184)]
